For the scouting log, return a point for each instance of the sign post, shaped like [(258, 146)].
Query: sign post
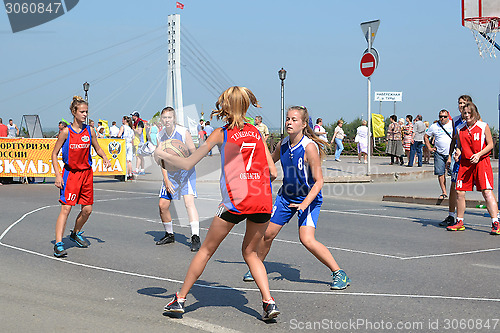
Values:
[(368, 64), (385, 96)]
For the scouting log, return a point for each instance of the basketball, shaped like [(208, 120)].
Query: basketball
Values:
[(174, 147)]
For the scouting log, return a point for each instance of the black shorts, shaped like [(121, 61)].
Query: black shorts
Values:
[(230, 217)]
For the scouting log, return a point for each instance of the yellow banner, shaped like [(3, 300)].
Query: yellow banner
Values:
[(21, 157), (105, 125), (378, 125)]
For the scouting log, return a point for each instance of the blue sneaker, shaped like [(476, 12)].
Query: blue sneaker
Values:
[(78, 239), (270, 310), (248, 277), (340, 280), (176, 305), (59, 250)]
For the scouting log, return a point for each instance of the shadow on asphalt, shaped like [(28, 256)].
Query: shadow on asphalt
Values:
[(435, 223), (68, 243), (220, 296), (286, 271)]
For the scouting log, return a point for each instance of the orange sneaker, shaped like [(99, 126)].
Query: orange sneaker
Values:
[(495, 228), (458, 226)]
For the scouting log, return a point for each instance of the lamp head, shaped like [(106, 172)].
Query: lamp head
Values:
[(282, 74)]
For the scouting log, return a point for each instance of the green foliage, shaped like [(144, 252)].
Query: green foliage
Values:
[(23, 132), (155, 118), (387, 122)]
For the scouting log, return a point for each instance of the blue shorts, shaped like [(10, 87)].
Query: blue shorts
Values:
[(282, 214), (186, 185), (440, 163)]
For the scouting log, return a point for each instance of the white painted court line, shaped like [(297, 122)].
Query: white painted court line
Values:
[(22, 218), (369, 215), (451, 254), (412, 296), (242, 235), (105, 269), (206, 196), (202, 325), (129, 192), (487, 266), (360, 210)]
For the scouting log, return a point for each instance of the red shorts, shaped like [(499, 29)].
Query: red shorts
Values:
[(471, 174), (78, 187)]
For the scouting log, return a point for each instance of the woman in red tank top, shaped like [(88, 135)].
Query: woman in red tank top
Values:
[(247, 166), (76, 183), (474, 144)]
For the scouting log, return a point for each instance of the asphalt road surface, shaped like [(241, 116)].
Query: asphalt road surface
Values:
[(408, 274)]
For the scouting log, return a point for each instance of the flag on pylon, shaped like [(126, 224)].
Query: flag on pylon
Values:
[(179, 5)]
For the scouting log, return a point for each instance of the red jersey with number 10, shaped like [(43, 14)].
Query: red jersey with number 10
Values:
[(245, 180), (472, 139), (76, 149)]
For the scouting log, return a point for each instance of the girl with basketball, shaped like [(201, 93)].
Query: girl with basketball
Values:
[(474, 144), (126, 132), (76, 184), (247, 170), (301, 192), (177, 183)]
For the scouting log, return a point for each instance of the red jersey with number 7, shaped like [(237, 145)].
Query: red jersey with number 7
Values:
[(76, 150), (245, 181), (472, 139)]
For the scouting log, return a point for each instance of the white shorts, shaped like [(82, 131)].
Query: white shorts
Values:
[(129, 151)]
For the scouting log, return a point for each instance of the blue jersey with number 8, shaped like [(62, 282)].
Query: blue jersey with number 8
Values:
[(297, 175)]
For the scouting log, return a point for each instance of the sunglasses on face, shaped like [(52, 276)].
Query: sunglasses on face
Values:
[(443, 116)]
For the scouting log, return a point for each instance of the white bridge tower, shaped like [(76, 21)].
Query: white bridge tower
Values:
[(174, 85)]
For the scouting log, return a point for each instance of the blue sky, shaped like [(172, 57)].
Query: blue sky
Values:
[(424, 52)]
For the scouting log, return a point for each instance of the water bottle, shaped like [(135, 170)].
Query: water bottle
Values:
[(480, 206)]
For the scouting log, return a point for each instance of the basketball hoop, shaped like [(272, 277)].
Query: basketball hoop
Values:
[(486, 27)]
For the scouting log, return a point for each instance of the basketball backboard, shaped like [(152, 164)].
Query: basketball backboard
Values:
[(479, 8), (482, 17)]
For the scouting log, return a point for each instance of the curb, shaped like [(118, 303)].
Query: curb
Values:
[(380, 178), (402, 176), (428, 201)]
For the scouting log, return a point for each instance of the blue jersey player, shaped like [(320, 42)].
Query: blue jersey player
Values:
[(301, 192), (177, 183)]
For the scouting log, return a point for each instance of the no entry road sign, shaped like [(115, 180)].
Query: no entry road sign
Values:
[(368, 64)]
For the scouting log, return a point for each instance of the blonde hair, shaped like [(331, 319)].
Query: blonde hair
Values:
[(308, 131), (77, 100), (233, 105)]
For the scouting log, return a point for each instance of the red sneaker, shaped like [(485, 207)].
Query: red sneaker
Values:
[(495, 228), (458, 226)]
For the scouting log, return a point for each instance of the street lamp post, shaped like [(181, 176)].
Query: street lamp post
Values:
[(86, 86), (282, 76)]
